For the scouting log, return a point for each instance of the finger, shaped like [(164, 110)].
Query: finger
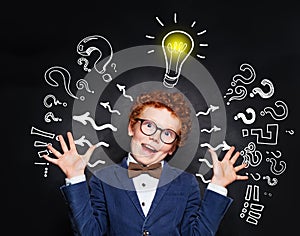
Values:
[(240, 167), (52, 160), (229, 153), (63, 144), (214, 156), (54, 151), (235, 157), (89, 153), (71, 140), (242, 177)]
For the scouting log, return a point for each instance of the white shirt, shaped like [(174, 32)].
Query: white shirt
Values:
[(145, 186)]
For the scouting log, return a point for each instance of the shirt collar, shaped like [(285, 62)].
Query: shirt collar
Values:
[(131, 159)]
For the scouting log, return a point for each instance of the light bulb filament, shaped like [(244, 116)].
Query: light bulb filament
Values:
[(177, 46), (175, 53)]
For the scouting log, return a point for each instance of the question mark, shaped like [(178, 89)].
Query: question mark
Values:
[(229, 92), (81, 84), (274, 155), (291, 132), (250, 158), (243, 117), (269, 181), (258, 90), (272, 112), (51, 115), (106, 51), (241, 92), (55, 101), (65, 75), (85, 64), (274, 164), (114, 65), (243, 79), (255, 178)]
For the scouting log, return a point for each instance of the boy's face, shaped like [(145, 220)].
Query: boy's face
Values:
[(150, 149)]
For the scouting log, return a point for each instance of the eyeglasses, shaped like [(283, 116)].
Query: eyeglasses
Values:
[(149, 128)]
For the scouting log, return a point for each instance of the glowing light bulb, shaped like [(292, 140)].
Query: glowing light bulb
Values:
[(177, 46)]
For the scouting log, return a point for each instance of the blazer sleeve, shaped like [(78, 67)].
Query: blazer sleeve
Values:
[(85, 219), (203, 215)]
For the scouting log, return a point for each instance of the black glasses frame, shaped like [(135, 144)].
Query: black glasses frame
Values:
[(157, 128)]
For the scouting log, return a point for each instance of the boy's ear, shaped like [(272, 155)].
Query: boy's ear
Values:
[(130, 131), (173, 149)]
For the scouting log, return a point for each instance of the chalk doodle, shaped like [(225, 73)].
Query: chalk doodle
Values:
[(256, 129)]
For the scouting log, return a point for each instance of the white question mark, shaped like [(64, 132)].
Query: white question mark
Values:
[(241, 92), (274, 155), (229, 91), (244, 79), (85, 64), (65, 76), (291, 132), (81, 84), (250, 111), (55, 101), (268, 178), (114, 65), (273, 166), (272, 112), (263, 94), (251, 156), (51, 115), (106, 51), (255, 178)]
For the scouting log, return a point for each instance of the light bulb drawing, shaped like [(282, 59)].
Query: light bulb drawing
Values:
[(184, 41), (177, 45)]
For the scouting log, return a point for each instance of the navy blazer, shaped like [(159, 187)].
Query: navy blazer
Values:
[(109, 205)]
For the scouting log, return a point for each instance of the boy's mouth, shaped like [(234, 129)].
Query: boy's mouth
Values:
[(149, 148)]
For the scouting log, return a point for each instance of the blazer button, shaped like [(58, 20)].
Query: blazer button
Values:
[(146, 232)]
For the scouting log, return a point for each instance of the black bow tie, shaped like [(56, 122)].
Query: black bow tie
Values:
[(135, 169)]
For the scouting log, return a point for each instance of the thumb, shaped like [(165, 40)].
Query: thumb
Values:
[(51, 160)]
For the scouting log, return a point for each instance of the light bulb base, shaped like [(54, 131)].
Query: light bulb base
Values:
[(169, 81)]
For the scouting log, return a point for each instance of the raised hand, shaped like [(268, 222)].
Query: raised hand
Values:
[(224, 172), (70, 162)]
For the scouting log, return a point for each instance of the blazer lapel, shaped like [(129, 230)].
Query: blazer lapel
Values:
[(165, 181), (128, 186)]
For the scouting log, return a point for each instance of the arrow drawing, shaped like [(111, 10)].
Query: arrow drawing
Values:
[(224, 145), (85, 117), (83, 140), (122, 89), (213, 129), (106, 105), (210, 109), (96, 163), (206, 162), (201, 176)]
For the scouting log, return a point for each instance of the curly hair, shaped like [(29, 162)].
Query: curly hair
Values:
[(173, 102)]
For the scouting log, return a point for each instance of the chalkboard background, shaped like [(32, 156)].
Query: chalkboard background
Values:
[(35, 37)]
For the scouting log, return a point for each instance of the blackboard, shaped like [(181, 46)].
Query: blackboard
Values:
[(252, 46)]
